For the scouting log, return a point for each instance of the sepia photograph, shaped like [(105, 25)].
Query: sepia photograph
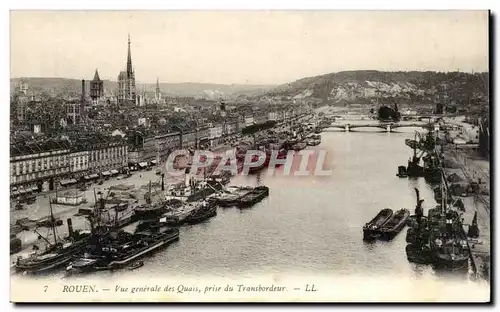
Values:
[(250, 156)]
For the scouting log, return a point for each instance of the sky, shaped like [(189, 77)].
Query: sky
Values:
[(244, 47)]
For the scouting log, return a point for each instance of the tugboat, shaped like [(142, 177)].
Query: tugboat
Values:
[(417, 236), (432, 171), (394, 225), (449, 246), (371, 229), (204, 211), (55, 254), (151, 210)]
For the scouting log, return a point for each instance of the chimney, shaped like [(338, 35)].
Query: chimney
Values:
[(83, 89), (82, 101)]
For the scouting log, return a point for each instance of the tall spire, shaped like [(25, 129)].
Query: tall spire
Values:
[(129, 60), (157, 91)]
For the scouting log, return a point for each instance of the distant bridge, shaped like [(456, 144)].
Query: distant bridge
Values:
[(389, 127)]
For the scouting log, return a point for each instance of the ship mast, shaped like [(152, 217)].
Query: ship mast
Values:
[(52, 221)]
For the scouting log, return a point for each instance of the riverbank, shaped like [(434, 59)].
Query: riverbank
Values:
[(467, 165)]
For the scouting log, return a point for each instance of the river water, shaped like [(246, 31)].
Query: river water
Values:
[(308, 224)]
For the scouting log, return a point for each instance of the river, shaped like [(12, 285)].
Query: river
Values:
[(308, 224)]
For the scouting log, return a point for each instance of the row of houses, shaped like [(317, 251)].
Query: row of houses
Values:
[(45, 165)]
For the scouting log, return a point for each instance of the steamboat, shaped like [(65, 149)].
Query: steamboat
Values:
[(56, 253)]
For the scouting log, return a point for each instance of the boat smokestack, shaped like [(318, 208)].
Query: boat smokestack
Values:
[(70, 227)]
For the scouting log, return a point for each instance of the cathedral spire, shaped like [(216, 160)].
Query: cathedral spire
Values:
[(157, 91), (129, 60)]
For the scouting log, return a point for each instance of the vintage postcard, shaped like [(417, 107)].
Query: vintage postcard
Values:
[(250, 156)]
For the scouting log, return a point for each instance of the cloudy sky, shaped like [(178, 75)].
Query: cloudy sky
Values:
[(254, 47)]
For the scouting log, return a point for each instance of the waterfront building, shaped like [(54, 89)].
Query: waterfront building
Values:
[(78, 163), (107, 157), (151, 149), (126, 82), (203, 136), (215, 134), (39, 164), (166, 144)]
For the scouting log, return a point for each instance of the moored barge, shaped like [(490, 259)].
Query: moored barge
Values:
[(253, 197), (394, 225), (371, 229)]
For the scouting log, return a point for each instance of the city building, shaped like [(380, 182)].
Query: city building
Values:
[(73, 108), (38, 165), (126, 82), (78, 163), (151, 149), (108, 156)]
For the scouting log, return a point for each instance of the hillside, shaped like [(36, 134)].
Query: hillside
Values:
[(388, 87), (56, 86)]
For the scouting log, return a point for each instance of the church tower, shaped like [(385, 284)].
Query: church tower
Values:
[(126, 81), (158, 92), (96, 88)]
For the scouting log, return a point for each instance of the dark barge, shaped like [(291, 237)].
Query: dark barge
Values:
[(394, 225), (253, 197), (371, 229)]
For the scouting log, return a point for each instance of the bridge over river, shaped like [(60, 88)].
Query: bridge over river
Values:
[(352, 125)]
